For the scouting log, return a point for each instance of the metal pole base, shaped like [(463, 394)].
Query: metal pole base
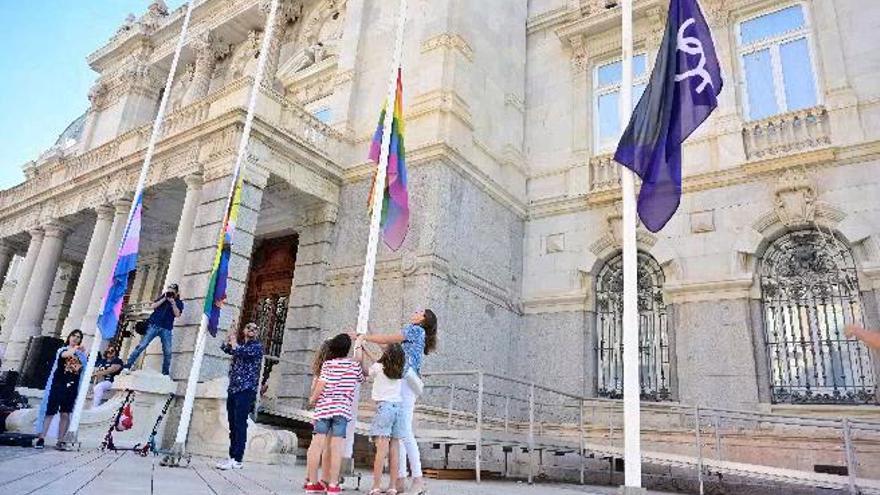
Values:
[(176, 457), (632, 490)]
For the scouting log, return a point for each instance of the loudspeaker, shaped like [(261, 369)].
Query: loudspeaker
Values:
[(8, 382), (38, 361)]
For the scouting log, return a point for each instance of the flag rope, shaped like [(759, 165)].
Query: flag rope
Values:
[(76, 416)]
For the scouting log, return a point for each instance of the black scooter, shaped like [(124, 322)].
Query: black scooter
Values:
[(150, 446), (108, 444)]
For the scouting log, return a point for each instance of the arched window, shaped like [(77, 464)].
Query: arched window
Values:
[(653, 335), (809, 292)]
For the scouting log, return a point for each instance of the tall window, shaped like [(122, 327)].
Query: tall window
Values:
[(809, 292), (777, 63), (653, 333), (606, 99)]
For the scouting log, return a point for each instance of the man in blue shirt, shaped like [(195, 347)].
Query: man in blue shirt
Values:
[(244, 376), (166, 308)]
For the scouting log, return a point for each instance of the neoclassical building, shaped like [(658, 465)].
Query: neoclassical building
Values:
[(511, 112)]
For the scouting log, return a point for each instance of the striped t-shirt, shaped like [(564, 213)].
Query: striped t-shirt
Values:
[(341, 377)]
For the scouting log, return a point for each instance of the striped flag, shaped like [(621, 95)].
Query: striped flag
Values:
[(126, 262), (395, 201), (216, 296)]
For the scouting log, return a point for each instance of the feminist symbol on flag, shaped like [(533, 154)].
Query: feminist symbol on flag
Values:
[(693, 46)]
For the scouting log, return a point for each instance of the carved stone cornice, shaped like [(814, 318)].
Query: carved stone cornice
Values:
[(449, 41)]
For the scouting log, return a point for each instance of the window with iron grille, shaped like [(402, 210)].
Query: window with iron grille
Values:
[(653, 332), (809, 292)]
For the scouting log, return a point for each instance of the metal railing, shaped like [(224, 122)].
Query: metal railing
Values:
[(480, 409)]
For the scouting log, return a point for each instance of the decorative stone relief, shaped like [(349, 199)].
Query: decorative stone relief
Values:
[(554, 243), (579, 58), (702, 221), (244, 56), (795, 198), (319, 37)]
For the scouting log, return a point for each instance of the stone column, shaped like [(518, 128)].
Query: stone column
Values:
[(108, 257), (282, 17), (24, 278), (88, 274), (207, 50), (184, 229), (6, 255), (33, 307)]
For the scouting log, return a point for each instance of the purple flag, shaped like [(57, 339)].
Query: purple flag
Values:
[(681, 94)]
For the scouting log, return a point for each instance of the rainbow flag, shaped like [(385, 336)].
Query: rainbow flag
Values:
[(216, 296), (395, 202), (126, 262)]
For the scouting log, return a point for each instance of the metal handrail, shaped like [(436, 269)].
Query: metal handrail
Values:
[(700, 414)]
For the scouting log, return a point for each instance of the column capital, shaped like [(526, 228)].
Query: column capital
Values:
[(36, 233), (208, 46), (104, 212), (57, 228), (194, 180), (122, 205)]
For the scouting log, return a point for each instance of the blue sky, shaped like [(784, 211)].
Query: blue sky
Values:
[(44, 78)]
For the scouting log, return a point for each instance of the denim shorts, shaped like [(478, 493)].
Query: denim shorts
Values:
[(388, 421), (334, 426)]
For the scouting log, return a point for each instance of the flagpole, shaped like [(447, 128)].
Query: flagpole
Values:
[(631, 413), (76, 416), (179, 448), (376, 211)]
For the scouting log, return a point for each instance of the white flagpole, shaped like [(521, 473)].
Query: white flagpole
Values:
[(376, 214), (631, 414), (148, 158), (199, 352)]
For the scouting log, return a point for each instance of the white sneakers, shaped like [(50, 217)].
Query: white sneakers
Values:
[(228, 464)]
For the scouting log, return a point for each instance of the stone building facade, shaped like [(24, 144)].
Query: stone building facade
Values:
[(514, 238)]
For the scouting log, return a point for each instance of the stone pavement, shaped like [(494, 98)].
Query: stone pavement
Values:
[(49, 472)]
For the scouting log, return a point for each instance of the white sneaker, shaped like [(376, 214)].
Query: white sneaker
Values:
[(228, 464), (126, 371)]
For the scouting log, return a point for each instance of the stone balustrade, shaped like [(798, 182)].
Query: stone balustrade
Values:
[(788, 133), (604, 173), (284, 114)]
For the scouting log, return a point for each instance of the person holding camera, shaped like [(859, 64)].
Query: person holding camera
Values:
[(166, 308)]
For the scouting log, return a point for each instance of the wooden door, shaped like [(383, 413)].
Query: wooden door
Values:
[(268, 289)]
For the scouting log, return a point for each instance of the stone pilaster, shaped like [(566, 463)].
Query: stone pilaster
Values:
[(60, 298), (33, 307), (89, 272), (24, 278), (184, 228), (207, 50), (303, 329), (108, 257), (199, 262)]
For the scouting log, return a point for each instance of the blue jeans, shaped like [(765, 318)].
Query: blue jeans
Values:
[(238, 406), (334, 426), (388, 421), (164, 335)]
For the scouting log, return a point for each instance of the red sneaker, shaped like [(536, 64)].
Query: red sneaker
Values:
[(315, 487), (334, 489)]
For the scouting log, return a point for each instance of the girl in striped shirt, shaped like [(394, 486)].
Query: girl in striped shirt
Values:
[(333, 398)]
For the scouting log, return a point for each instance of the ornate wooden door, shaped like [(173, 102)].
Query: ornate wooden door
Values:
[(268, 289)]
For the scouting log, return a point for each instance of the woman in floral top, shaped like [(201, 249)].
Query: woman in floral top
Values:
[(244, 372)]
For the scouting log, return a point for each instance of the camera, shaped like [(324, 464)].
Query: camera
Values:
[(170, 293)]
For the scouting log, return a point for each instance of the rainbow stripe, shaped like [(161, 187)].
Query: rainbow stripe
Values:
[(216, 296), (395, 202), (126, 262)]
